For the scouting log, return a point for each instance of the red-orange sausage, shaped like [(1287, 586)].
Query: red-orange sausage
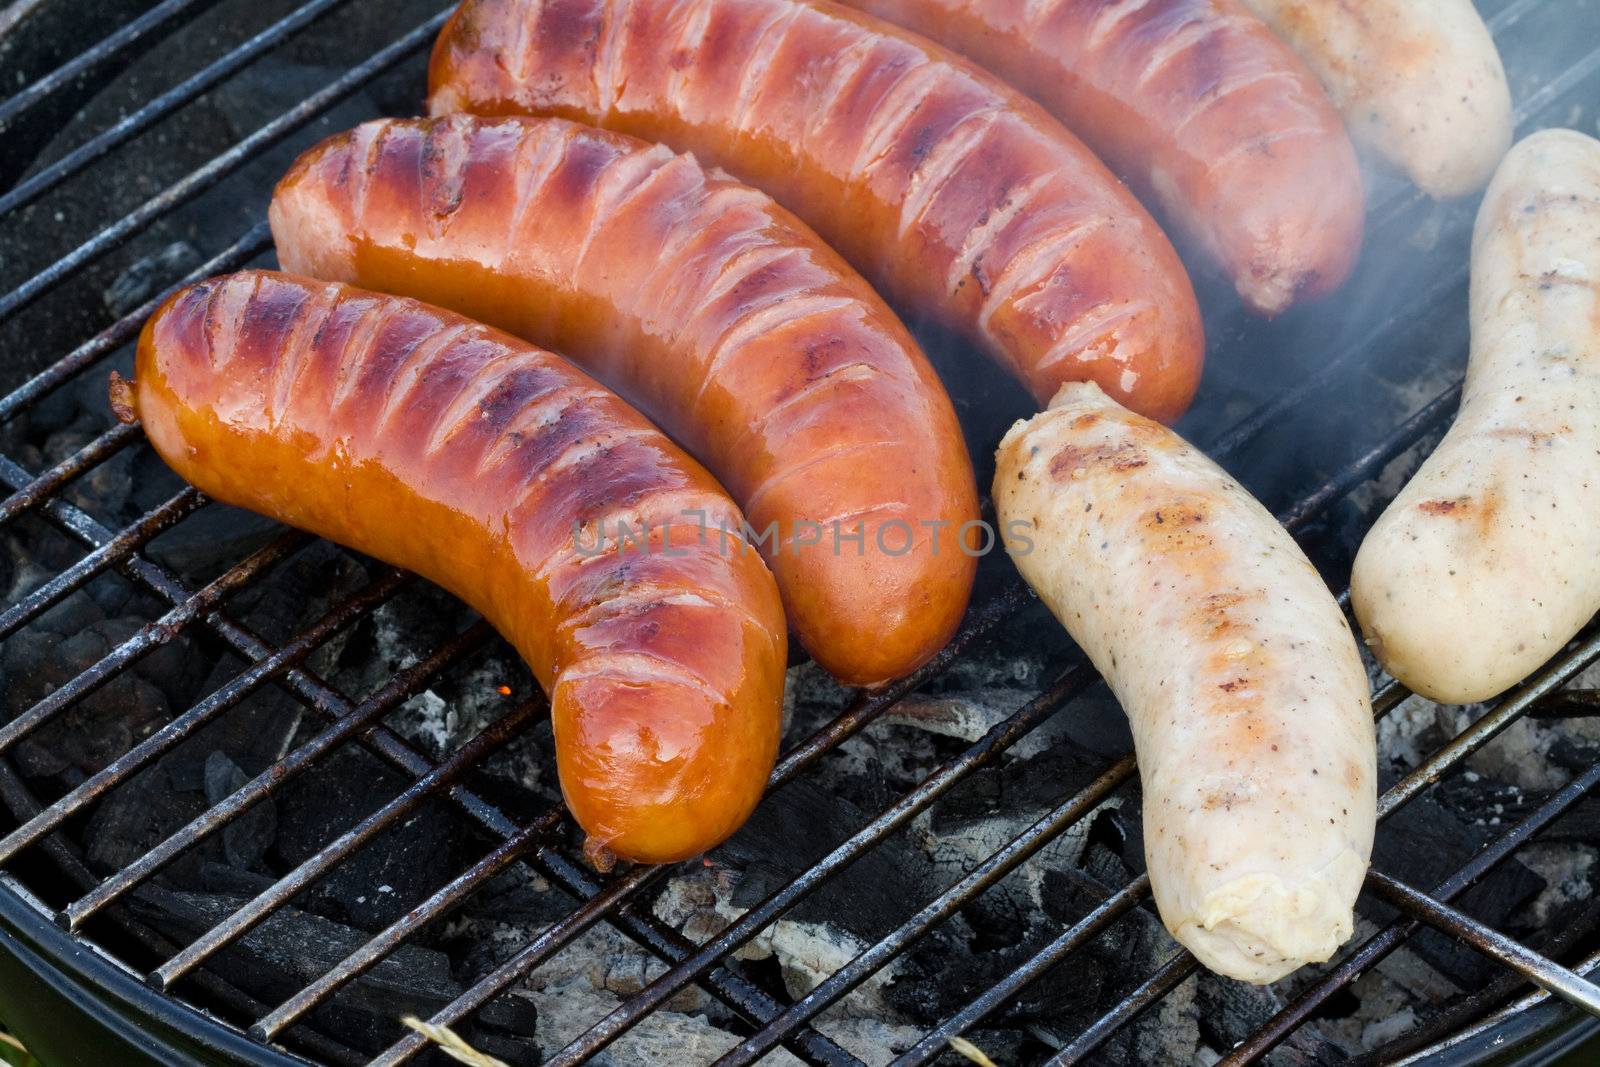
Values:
[(716, 311), (473, 459), (955, 194), (1199, 105)]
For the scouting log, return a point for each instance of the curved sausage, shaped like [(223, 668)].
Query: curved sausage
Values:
[(475, 460), (1418, 80), (1488, 562), (1249, 705), (717, 312), (953, 193), (1200, 107)]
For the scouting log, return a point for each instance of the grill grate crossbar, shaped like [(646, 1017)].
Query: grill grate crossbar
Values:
[(191, 88)]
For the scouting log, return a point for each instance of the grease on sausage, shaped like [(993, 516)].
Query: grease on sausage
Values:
[(1200, 107), (716, 311), (450, 449), (953, 193)]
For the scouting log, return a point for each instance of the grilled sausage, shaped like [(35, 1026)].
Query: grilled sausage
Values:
[(1488, 562), (1420, 81), (1200, 107), (1242, 682), (717, 312), (953, 193), (493, 468)]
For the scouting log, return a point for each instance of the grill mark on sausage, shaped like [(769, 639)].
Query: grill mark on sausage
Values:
[(1092, 331), (298, 352), (442, 164), (774, 312), (225, 309), (1109, 19), (885, 124), (753, 75), (605, 68), (1119, 456), (363, 336), (1033, 265), (932, 174), (404, 379), (466, 407)]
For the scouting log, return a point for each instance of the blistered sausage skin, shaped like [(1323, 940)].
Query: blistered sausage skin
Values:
[(475, 460), (717, 312), (1420, 81), (1242, 682), (1488, 562), (957, 196), (1200, 107)]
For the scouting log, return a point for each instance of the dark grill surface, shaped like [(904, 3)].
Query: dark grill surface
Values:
[(1313, 412)]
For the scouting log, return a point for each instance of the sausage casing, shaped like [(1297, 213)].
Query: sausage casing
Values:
[(1200, 107), (1242, 682), (1488, 561), (716, 311), (451, 449), (1419, 80), (953, 193)]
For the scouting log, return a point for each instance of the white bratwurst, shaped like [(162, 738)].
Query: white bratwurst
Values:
[(1250, 711), (1419, 81), (1489, 560)]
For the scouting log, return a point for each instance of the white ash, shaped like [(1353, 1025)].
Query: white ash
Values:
[(1404, 735), (1385, 1030), (967, 716), (1566, 870), (427, 719), (897, 755), (807, 952), (1519, 756)]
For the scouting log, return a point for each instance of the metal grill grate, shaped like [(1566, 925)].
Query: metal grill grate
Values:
[(535, 841)]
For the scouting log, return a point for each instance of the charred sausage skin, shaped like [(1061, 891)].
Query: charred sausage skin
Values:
[(1200, 107), (952, 192), (716, 311), (447, 448)]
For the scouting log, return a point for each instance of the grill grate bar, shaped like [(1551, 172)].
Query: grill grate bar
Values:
[(80, 65), (550, 941), (169, 736), (19, 799), (50, 482), (1518, 957), (326, 858), (1532, 1000), (1463, 1012), (999, 738), (629, 1013), (1546, 681), (131, 126), (1086, 929), (979, 623), (1375, 459), (1315, 383), (727, 984), (150, 635), (108, 555), (204, 177), (1264, 1039), (368, 955), (401, 687), (980, 878), (1395, 797), (255, 241)]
